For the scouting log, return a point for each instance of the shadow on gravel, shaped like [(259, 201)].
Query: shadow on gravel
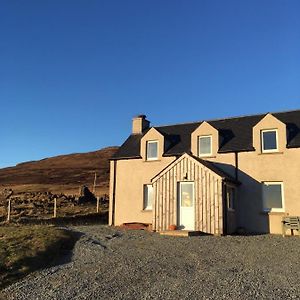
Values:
[(65, 252)]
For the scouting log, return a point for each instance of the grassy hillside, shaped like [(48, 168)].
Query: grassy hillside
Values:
[(24, 249), (60, 174)]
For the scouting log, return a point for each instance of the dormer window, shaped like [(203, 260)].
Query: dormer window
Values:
[(269, 140), (152, 150), (205, 145)]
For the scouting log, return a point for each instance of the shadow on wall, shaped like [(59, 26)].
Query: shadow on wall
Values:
[(249, 202)]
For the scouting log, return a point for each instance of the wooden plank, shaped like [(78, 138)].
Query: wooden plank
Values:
[(201, 199), (168, 200), (154, 213), (213, 205), (189, 171), (159, 205), (194, 171), (216, 205), (220, 200), (163, 201), (172, 196), (205, 202), (209, 203), (175, 195)]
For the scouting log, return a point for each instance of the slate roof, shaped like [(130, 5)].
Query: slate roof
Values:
[(236, 135)]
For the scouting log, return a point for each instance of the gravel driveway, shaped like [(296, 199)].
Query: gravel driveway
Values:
[(112, 264)]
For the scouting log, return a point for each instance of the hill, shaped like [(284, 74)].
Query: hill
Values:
[(61, 174)]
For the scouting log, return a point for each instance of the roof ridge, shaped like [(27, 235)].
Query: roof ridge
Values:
[(228, 118)]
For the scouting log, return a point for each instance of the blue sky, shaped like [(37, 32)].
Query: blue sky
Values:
[(73, 73)]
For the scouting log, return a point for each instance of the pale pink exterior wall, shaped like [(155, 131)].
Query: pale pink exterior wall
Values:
[(132, 174), (254, 167)]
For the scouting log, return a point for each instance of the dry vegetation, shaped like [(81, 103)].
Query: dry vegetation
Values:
[(27, 248), (40, 206), (36, 184), (62, 174)]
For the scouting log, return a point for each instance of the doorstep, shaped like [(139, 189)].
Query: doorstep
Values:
[(180, 233)]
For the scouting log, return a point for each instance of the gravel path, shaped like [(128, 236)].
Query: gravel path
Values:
[(111, 264)]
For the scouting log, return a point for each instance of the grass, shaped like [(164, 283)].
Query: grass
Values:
[(24, 249)]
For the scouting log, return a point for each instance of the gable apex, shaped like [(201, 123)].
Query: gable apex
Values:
[(152, 130), (269, 117), (206, 124)]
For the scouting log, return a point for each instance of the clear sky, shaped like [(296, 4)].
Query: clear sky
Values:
[(73, 73)]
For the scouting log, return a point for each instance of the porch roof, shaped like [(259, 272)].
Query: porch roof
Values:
[(210, 165)]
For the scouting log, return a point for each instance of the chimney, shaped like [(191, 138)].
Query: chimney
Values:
[(139, 124)]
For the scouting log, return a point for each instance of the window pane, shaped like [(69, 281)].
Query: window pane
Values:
[(269, 140), (187, 195), (272, 196), (148, 196), (205, 145), (230, 197), (152, 150)]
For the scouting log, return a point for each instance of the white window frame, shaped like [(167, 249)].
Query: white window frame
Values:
[(204, 154), (262, 140), (148, 143), (282, 196), (146, 205)]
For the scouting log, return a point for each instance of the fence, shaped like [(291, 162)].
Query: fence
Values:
[(45, 206)]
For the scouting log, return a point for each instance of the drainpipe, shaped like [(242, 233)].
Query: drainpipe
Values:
[(236, 157), (114, 195)]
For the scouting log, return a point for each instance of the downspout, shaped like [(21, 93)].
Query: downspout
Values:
[(114, 195), (236, 158)]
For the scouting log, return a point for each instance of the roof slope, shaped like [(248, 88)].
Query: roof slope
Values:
[(235, 133)]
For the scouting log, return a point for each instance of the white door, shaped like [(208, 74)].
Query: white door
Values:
[(186, 206)]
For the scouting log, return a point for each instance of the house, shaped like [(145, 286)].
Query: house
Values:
[(211, 176)]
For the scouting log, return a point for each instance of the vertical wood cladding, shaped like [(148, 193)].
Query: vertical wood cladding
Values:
[(208, 196)]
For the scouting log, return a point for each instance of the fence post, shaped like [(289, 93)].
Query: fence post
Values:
[(98, 200), (8, 210), (94, 185), (55, 206)]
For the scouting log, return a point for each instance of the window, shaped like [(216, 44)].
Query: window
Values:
[(152, 150), (204, 145), (269, 140), (230, 196), (148, 196), (273, 196)]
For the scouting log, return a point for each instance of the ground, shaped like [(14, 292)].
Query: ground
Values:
[(24, 249), (107, 263)]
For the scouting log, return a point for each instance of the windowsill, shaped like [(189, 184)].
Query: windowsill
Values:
[(146, 210), (265, 212), (269, 153), (151, 160), (207, 156)]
